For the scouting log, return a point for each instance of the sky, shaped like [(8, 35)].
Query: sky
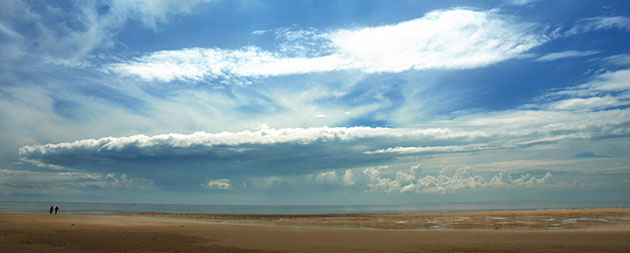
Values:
[(314, 102)]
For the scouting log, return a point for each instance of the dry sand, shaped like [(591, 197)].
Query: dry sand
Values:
[(524, 231)]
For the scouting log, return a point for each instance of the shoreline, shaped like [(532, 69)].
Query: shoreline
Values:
[(504, 220), (572, 210), (12, 206)]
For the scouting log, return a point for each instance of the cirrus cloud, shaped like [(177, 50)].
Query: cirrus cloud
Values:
[(600, 23), (566, 54), (445, 39)]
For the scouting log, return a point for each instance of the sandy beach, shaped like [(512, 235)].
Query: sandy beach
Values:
[(604, 230)]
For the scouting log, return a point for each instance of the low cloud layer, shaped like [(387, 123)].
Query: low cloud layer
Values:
[(24, 182), (412, 180), (593, 110)]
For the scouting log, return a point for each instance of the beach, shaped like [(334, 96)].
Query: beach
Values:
[(602, 230)]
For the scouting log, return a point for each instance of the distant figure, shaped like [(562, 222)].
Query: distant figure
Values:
[(51, 208), (56, 209)]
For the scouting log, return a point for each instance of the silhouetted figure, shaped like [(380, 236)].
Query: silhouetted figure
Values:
[(51, 208), (56, 209)]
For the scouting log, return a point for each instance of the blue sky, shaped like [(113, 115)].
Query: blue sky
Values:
[(314, 102)]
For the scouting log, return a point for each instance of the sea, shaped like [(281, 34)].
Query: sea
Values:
[(81, 207)]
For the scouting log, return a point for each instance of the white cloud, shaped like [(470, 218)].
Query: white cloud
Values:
[(221, 184), (501, 179), (505, 179), (302, 42), (42, 165), (348, 176), (113, 180), (7, 31), (436, 149), (196, 64), (603, 85), (555, 138), (65, 35), (565, 54), (46, 182), (326, 177), (527, 179), (357, 144), (474, 133), (446, 39), (263, 136), (590, 111), (600, 23), (451, 39), (619, 60), (523, 2), (610, 81), (152, 12), (378, 183), (413, 181), (592, 103)]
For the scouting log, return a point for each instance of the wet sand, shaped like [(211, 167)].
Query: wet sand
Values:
[(605, 230)]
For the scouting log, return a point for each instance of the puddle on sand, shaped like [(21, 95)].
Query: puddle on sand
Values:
[(515, 222), (569, 221), (575, 220), (461, 219), (495, 218), (432, 220)]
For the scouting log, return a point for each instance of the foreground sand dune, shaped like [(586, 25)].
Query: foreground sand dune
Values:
[(527, 231)]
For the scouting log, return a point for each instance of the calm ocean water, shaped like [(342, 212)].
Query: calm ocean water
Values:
[(303, 209)]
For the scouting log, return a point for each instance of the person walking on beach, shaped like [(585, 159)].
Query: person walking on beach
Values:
[(56, 209), (51, 208)]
